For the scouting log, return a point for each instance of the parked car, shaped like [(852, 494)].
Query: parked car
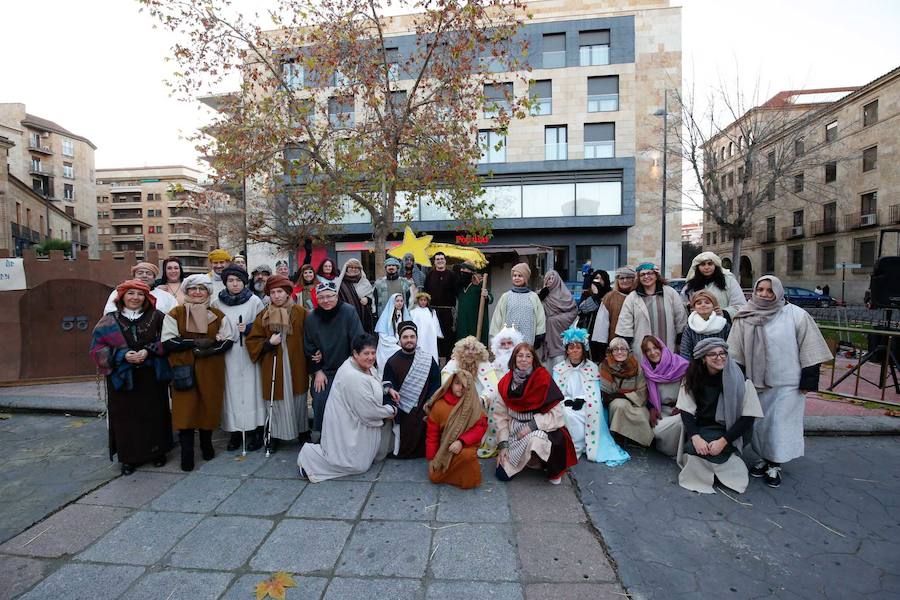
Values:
[(804, 297), (677, 283)]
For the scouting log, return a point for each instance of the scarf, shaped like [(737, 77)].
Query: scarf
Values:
[(657, 299), (755, 314), (229, 299), (361, 283), (197, 315), (713, 324), (277, 319), (415, 380), (540, 393), (520, 290), (464, 415), (731, 401), (611, 371), (670, 368), (520, 376)]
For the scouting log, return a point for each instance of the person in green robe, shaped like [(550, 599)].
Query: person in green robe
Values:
[(467, 302)]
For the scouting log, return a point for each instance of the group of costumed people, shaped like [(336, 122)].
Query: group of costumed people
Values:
[(698, 377)]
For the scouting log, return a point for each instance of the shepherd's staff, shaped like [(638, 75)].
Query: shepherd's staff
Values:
[(481, 306), (267, 438)]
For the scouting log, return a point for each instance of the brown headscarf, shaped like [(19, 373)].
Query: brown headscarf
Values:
[(464, 415)]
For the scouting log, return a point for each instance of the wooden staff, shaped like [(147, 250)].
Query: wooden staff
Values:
[(481, 307)]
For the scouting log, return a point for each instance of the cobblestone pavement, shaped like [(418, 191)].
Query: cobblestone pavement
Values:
[(830, 531), (390, 533)]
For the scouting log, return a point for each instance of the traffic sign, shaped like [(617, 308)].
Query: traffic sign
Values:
[(846, 265)]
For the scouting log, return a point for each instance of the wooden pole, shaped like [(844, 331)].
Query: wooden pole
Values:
[(481, 307)]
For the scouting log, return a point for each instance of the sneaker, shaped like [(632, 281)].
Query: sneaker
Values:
[(759, 469), (773, 476), (556, 481)]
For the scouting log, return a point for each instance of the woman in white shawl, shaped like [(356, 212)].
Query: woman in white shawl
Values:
[(706, 273), (393, 314), (781, 349)]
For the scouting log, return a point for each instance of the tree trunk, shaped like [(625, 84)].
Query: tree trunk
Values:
[(379, 238), (736, 244)]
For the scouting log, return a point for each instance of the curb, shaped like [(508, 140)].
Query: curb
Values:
[(851, 425), (82, 407)]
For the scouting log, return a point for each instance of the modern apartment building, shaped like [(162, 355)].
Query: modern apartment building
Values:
[(833, 213), (137, 210), (57, 166)]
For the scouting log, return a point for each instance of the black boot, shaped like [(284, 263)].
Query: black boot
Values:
[(234, 442), (304, 438), (254, 439), (206, 447), (186, 439)]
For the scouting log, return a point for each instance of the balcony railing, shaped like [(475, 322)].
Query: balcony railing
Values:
[(599, 149), (40, 169), (766, 236), (556, 151), (603, 103), (823, 227), (593, 55), (40, 148), (541, 106), (792, 232), (860, 220), (554, 59), (895, 213)]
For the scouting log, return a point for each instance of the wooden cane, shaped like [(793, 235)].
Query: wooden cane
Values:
[(481, 308)]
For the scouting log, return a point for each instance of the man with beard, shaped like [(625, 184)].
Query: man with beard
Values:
[(327, 336), (411, 377), (468, 301), (390, 284), (413, 272), (610, 308), (260, 275), (441, 283), (502, 346), (218, 260)]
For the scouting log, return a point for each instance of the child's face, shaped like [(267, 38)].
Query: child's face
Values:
[(423, 302), (456, 388), (703, 307), (398, 302)]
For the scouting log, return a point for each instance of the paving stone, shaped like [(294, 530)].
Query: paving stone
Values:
[(133, 491), (402, 501), (356, 589), (386, 548), (372, 474), (302, 546), (220, 543), (281, 465), (575, 591), (561, 552), (404, 470), (331, 500), (308, 588), (531, 498), (75, 581), (18, 573), (196, 493), (179, 585), (261, 497), (454, 590), (142, 539), (485, 552), (485, 504), (69, 531), (228, 464)]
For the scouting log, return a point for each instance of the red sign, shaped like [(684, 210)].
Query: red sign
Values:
[(467, 240)]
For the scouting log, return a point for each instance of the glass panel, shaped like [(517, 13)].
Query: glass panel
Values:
[(598, 198), (605, 257), (551, 200), (505, 201), (554, 60), (558, 151), (599, 149), (404, 202), (353, 213), (432, 212), (593, 55), (603, 103), (542, 106)]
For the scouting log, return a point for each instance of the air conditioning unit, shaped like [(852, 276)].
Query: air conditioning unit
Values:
[(797, 231), (866, 220), (45, 135)]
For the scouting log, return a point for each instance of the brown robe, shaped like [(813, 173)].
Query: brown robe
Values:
[(261, 353), (201, 406)]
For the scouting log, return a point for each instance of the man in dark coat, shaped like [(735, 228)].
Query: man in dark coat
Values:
[(441, 283)]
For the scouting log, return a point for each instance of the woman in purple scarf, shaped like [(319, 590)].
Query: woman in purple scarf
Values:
[(663, 370)]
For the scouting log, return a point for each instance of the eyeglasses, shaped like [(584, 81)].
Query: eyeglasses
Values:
[(625, 277), (620, 350), (648, 274), (196, 288), (717, 355)]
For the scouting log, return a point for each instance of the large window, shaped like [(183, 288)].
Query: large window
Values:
[(599, 140), (393, 62), (505, 201), (593, 47), (68, 147), (68, 191), (556, 142), (292, 75), (798, 183), (68, 170), (602, 257), (869, 203), (603, 94), (550, 200), (864, 252), (496, 97), (554, 51), (541, 94), (830, 172), (493, 146), (795, 256), (827, 257), (598, 198), (870, 159), (341, 112), (870, 113)]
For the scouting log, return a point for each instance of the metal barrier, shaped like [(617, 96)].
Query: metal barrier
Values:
[(883, 351)]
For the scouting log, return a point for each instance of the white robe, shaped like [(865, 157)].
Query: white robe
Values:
[(243, 408), (164, 301), (429, 330), (353, 426)]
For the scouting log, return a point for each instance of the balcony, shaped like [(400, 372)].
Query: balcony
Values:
[(766, 236), (122, 199), (41, 149), (40, 169), (860, 220), (599, 149), (124, 189), (824, 227), (553, 59), (895, 213), (128, 237), (793, 232), (556, 151), (182, 235), (192, 252), (602, 103)]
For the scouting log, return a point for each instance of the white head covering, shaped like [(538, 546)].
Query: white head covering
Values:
[(197, 279), (703, 257), (384, 321)]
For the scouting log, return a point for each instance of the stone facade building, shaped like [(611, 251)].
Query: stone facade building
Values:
[(836, 209)]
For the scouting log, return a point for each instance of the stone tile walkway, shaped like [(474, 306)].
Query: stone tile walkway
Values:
[(389, 533)]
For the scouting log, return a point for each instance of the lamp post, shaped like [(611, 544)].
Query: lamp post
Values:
[(664, 113)]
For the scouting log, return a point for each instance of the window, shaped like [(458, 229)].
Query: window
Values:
[(598, 198), (493, 146), (341, 112), (556, 142), (603, 94), (722, 153), (496, 98), (799, 147), (548, 200), (830, 172), (68, 191), (593, 47), (798, 218), (831, 132), (292, 75), (599, 140), (34, 139), (870, 158), (730, 149), (68, 170), (708, 238), (795, 259), (770, 160), (730, 178), (798, 183), (827, 257), (740, 143), (864, 252), (541, 94), (829, 216), (723, 181), (740, 175), (36, 166), (714, 238), (554, 51), (340, 80), (770, 229), (393, 61), (398, 101), (770, 191), (869, 203), (870, 113)]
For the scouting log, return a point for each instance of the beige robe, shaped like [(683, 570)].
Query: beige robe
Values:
[(551, 420), (634, 320), (629, 416)]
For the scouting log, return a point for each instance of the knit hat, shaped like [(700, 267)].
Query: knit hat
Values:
[(625, 271), (647, 266), (326, 287), (279, 281), (704, 294), (134, 284), (236, 270), (197, 279), (522, 268), (281, 263), (263, 268), (404, 325), (145, 265), (392, 261), (218, 255), (707, 344), (238, 256)]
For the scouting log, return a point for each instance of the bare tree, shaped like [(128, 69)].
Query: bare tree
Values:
[(220, 219)]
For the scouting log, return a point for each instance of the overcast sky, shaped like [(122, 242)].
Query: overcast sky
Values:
[(96, 67)]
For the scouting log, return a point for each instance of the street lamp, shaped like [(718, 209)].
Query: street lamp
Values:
[(664, 113)]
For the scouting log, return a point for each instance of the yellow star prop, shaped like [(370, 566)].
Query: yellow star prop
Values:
[(417, 246)]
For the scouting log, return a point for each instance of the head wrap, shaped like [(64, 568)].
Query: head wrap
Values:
[(647, 266), (575, 335), (279, 281), (706, 344), (145, 265), (625, 271), (755, 314), (392, 261), (279, 263), (197, 279), (263, 268), (704, 294), (404, 325), (236, 270), (134, 284), (703, 257), (522, 268), (218, 255), (197, 314), (326, 286), (670, 368)]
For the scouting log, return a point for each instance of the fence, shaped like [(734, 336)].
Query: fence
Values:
[(877, 355)]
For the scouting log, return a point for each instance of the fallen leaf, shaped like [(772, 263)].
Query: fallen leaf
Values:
[(274, 587), (284, 579), (4, 417), (75, 424), (240, 458)]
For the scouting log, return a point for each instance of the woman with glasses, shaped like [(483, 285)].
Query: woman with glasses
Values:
[(707, 274), (718, 407), (653, 308), (624, 391), (355, 289)]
